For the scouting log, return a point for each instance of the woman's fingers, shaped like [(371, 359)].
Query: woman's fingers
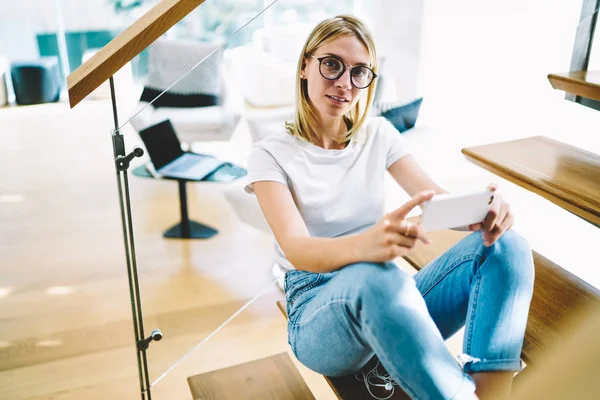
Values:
[(401, 212), (475, 227), (397, 237), (491, 217), (503, 223), (405, 241), (403, 234), (410, 230)]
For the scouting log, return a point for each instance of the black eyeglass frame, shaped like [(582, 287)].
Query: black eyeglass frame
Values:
[(343, 71)]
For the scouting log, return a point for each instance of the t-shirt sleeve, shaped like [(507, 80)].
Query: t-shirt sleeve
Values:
[(393, 141), (262, 166)]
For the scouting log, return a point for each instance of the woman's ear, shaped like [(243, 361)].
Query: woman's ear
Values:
[(303, 69)]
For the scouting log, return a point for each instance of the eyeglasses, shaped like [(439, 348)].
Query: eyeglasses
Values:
[(332, 68)]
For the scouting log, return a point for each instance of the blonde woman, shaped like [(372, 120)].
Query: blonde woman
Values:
[(319, 183)]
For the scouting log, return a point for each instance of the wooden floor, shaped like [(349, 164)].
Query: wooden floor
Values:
[(65, 316)]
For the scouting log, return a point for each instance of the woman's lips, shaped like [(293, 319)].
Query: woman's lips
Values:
[(336, 99)]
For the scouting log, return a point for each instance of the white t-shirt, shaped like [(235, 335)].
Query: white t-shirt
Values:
[(338, 192)]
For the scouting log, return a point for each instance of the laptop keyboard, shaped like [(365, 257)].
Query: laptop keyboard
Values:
[(183, 165), (226, 173), (216, 170)]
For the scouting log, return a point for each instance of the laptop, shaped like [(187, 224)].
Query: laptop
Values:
[(169, 160)]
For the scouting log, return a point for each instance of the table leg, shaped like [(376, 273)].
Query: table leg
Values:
[(187, 229)]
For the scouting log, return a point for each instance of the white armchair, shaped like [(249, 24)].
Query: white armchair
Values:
[(266, 68), (203, 106)]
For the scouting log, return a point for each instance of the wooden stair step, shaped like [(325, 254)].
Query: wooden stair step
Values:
[(565, 175), (558, 295), (274, 377), (348, 387), (580, 83)]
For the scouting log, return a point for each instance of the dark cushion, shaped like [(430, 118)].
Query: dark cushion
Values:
[(402, 115), (197, 63), (170, 99), (37, 81)]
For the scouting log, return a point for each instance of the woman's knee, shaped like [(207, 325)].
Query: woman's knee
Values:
[(514, 259), (377, 284)]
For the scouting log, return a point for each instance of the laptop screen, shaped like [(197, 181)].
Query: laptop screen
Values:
[(162, 143)]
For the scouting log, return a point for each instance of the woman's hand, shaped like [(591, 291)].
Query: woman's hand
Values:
[(498, 220), (393, 236)]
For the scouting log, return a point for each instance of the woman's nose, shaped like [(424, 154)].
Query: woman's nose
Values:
[(344, 81)]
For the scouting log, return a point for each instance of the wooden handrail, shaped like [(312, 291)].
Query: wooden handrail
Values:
[(128, 44)]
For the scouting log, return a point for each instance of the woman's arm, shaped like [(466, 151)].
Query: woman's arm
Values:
[(411, 177), (304, 252), (389, 238)]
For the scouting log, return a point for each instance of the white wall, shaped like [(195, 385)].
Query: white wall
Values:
[(484, 67), (397, 28)]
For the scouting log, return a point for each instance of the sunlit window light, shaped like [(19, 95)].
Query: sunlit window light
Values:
[(59, 290), (5, 291), (48, 343), (11, 198)]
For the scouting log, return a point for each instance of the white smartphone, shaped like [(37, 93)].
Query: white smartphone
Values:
[(455, 210)]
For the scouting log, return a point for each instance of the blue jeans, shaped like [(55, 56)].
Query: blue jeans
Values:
[(339, 320)]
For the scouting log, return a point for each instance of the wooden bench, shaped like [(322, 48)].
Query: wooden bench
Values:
[(558, 298), (273, 377)]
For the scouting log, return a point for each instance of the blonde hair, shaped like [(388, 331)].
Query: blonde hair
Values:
[(327, 31)]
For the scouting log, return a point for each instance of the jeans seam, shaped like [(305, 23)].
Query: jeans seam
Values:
[(452, 267), (305, 289), (315, 312), (484, 365), (474, 310), (485, 360)]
